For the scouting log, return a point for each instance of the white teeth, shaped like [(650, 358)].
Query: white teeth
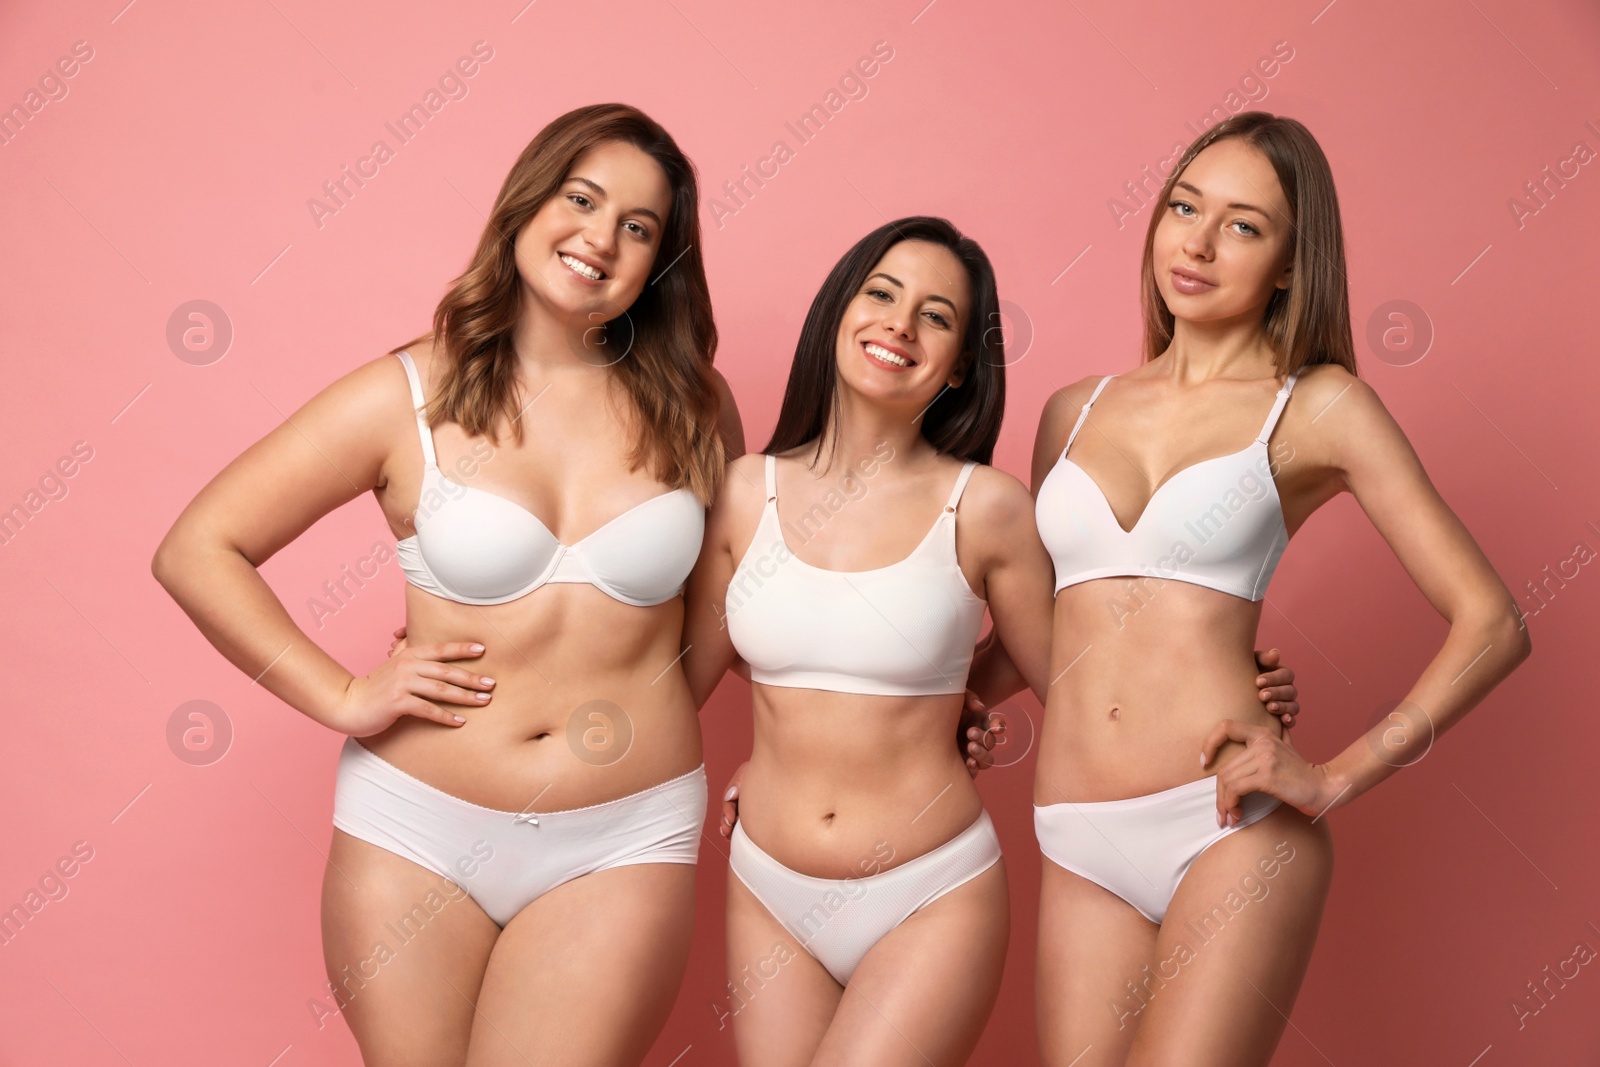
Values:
[(582, 268), (879, 352)]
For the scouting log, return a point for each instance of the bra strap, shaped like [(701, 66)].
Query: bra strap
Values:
[(1277, 407), (961, 484), (417, 404), (1084, 413), (772, 477)]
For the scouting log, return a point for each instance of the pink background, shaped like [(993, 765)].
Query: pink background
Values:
[(179, 166)]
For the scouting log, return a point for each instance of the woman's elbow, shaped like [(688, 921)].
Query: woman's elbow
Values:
[(1508, 631)]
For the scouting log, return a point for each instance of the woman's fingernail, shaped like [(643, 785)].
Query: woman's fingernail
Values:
[(487, 681), (477, 648), (458, 718), (732, 791)]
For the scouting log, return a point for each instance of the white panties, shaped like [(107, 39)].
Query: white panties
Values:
[(838, 920), (1141, 847), (505, 859)]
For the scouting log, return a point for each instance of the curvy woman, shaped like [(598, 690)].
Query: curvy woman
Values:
[(544, 458), (867, 907), (1189, 852)]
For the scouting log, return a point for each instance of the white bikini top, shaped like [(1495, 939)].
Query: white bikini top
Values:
[(475, 547), (1217, 523), (907, 629)]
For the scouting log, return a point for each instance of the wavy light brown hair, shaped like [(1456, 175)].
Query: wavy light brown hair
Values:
[(1309, 322), (669, 332)]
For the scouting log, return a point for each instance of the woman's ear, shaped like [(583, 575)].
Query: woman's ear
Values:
[(959, 375)]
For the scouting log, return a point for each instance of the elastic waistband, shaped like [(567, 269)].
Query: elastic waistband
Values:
[(354, 750), (982, 826), (1184, 791)]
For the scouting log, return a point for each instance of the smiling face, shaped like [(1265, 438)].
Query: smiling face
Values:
[(902, 332), (1222, 246), (586, 254)]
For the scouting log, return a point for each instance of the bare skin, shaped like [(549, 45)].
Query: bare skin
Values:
[(1113, 732), (466, 991), (923, 993)]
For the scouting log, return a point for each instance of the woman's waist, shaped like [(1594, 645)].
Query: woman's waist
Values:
[(552, 758), (841, 826), (1104, 746)]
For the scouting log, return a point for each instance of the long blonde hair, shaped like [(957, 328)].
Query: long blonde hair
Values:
[(1310, 321)]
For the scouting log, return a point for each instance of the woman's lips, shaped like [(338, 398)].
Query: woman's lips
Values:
[(1191, 286)]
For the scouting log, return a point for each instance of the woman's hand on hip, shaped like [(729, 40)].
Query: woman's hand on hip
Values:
[(1268, 764), (408, 683)]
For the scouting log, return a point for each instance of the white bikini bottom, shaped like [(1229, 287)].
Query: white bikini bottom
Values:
[(506, 859), (1141, 847), (838, 920)]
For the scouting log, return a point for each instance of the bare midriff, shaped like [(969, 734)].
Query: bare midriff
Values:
[(590, 702), (1141, 672), (844, 785)]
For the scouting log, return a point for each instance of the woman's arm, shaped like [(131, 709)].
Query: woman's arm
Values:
[(1017, 579), (327, 453), (1357, 441), (707, 649)]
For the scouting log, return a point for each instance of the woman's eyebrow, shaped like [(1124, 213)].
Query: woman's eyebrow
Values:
[(898, 282), (636, 211), (1236, 206)]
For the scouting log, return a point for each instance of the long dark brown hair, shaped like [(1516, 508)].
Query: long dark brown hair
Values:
[(1309, 322), (963, 422), (669, 331)]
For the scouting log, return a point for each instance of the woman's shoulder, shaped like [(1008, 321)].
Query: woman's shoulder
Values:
[(995, 497), (1317, 385)]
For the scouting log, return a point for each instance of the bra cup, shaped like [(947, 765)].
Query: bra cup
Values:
[(672, 524), (1066, 525), (1217, 524), (481, 546), (1226, 531)]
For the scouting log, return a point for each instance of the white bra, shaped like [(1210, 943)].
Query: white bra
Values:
[(907, 629), (476, 547), (1217, 523)]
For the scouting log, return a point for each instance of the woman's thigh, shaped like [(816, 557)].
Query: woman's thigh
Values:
[(587, 973), (405, 951), (1092, 943), (781, 999), (923, 993), (1236, 941)]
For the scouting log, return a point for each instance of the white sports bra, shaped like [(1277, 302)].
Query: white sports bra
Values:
[(475, 547), (1217, 523), (907, 629)]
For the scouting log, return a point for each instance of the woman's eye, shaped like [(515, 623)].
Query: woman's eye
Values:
[(878, 292), (940, 319), (576, 197), (1179, 204), (640, 231), (1249, 229)]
